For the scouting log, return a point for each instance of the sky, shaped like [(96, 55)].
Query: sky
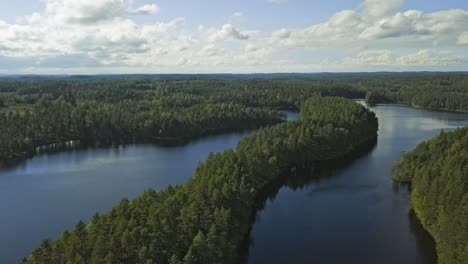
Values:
[(232, 36)]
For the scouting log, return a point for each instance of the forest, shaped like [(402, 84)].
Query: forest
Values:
[(437, 170), (208, 219), (104, 110), (439, 92), (42, 112)]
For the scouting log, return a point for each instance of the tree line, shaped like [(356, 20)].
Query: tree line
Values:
[(106, 123), (443, 92), (207, 219), (41, 111), (45, 111), (438, 173)]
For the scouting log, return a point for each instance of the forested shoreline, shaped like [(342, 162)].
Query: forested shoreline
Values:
[(214, 209), (207, 219), (438, 173), (102, 111), (109, 112), (443, 92)]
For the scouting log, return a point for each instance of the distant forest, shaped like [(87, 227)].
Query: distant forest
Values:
[(41, 112), (98, 110)]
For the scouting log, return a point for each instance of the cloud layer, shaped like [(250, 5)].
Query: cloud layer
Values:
[(104, 36)]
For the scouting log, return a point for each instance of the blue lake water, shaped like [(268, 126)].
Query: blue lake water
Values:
[(43, 196), (356, 215)]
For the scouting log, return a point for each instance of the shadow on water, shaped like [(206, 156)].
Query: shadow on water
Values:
[(300, 178), (323, 171), (425, 243), (287, 114), (426, 246)]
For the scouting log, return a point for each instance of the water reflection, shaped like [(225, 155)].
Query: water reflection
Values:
[(44, 195), (356, 214)]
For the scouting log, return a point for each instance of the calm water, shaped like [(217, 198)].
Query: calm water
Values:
[(354, 215), (47, 194), (357, 215)]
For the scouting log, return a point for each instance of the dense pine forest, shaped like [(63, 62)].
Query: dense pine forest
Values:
[(437, 171), (207, 219), (442, 92), (41, 112), (95, 111)]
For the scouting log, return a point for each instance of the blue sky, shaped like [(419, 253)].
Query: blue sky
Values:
[(172, 36)]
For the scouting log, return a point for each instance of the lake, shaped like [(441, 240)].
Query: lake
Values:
[(44, 195), (357, 214)]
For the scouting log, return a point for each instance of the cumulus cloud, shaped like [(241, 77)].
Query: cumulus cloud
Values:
[(351, 29), (423, 57), (379, 8), (84, 11), (212, 51), (228, 32), (374, 57), (281, 34), (148, 9), (440, 26), (104, 35)]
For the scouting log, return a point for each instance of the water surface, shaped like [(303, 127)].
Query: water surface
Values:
[(47, 194), (356, 215)]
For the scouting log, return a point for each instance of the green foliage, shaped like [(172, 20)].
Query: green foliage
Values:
[(207, 219), (99, 111), (447, 92), (438, 173)]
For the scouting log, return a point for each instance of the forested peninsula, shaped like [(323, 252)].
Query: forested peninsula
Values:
[(438, 173), (207, 219)]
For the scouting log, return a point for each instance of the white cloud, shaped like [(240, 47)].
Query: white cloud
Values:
[(423, 57), (212, 51), (84, 11), (463, 38), (438, 27), (182, 61), (228, 32), (105, 36), (379, 8), (281, 34), (148, 9), (237, 14), (374, 57)]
